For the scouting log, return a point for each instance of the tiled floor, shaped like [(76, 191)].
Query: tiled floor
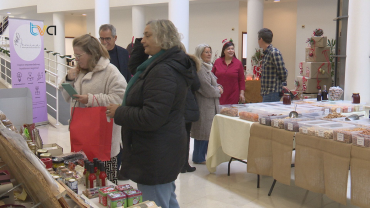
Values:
[(201, 189)]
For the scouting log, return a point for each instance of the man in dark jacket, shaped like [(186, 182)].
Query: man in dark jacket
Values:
[(118, 55), (119, 58)]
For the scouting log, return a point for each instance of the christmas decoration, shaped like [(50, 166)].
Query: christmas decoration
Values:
[(318, 32)]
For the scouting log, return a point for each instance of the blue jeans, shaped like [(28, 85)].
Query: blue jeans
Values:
[(162, 194), (200, 151), (271, 97)]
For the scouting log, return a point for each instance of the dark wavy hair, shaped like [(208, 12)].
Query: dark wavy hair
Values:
[(226, 45)]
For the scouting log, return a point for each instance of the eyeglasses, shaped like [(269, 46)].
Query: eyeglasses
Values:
[(105, 39), (78, 56)]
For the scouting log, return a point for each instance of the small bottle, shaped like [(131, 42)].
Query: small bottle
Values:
[(97, 173), (102, 175), (324, 93), (319, 96), (87, 173), (95, 160), (92, 177)]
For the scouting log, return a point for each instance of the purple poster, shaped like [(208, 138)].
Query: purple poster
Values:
[(27, 62)]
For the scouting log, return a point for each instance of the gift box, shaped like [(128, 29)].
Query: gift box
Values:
[(319, 41), (317, 54), (315, 70), (309, 85)]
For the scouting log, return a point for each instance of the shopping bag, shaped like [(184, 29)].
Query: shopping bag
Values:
[(91, 132)]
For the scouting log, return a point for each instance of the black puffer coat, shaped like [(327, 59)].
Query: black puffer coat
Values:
[(153, 128), (191, 105)]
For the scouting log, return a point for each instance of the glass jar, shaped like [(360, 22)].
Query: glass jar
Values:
[(41, 151), (355, 98), (286, 99)]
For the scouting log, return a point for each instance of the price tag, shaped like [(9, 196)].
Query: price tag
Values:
[(321, 133), (263, 121), (326, 111), (304, 130), (340, 137), (290, 126), (338, 110), (360, 141), (349, 109), (276, 124)]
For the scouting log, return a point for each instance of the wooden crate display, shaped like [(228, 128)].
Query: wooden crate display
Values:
[(315, 70)]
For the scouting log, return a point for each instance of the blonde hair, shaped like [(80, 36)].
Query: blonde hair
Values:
[(165, 34), (91, 46), (199, 50)]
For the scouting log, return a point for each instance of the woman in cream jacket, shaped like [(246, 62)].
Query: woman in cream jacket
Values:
[(96, 77)]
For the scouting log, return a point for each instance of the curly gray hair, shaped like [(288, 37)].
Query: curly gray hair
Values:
[(199, 50), (108, 27), (165, 33)]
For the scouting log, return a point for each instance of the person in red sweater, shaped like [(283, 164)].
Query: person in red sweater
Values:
[(230, 75)]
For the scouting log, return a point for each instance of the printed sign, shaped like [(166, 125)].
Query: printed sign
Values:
[(27, 63)]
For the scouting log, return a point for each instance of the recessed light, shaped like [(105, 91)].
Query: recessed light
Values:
[(9, 13), (276, 0), (83, 14)]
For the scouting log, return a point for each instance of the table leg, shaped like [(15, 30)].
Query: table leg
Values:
[(258, 181), (272, 187)]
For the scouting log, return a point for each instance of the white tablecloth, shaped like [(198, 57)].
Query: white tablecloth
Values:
[(229, 138)]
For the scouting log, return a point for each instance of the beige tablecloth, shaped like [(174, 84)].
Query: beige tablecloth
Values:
[(360, 176), (229, 138), (322, 165), (270, 152)]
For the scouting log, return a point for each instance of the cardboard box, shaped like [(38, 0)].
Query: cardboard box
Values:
[(16, 103), (320, 41), (54, 149), (311, 70), (311, 84), (318, 54)]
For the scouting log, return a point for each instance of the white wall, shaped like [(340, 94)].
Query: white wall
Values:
[(74, 25), (313, 14), (281, 19), (211, 23)]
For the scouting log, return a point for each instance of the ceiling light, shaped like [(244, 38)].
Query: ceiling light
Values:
[(9, 13), (276, 0), (83, 14)]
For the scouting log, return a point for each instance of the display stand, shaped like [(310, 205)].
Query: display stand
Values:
[(28, 176)]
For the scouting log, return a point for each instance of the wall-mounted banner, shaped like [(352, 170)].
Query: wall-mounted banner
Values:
[(27, 62)]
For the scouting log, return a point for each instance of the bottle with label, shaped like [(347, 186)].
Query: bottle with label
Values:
[(324, 93), (97, 173), (95, 160), (102, 175), (92, 177), (319, 96)]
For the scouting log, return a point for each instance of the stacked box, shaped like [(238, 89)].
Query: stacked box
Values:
[(311, 84), (316, 66), (315, 70)]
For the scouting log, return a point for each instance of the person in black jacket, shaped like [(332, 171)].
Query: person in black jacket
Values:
[(152, 114), (191, 111)]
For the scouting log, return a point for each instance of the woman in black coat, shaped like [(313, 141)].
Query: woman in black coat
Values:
[(152, 114)]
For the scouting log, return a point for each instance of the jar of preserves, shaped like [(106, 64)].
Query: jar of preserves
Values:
[(355, 98), (286, 99), (32, 148), (45, 155), (57, 163)]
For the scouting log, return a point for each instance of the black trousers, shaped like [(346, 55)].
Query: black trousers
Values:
[(187, 127)]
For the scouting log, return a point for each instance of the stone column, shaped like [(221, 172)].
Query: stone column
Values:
[(101, 14), (178, 13), (358, 40), (59, 43), (254, 24), (138, 21)]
